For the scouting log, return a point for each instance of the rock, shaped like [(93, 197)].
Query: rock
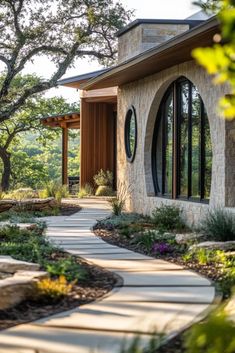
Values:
[(188, 237), (14, 290), (36, 204), (215, 245), (6, 205), (10, 265), (31, 274)]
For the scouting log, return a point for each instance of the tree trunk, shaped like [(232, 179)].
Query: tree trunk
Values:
[(6, 160)]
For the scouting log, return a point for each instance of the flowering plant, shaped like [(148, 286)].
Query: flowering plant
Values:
[(162, 248)]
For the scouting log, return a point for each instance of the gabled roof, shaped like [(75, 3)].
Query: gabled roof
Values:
[(172, 52)]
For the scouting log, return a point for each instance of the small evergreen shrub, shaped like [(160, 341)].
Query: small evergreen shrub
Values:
[(168, 218), (104, 178), (219, 225), (104, 190), (86, 190), (52, 289)]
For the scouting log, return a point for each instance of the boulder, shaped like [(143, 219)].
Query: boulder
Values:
[(36, 204), (6, 205), (188, 237), (215, 245), (15, 290), (10, 265)]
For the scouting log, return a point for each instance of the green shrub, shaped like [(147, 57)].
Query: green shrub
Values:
[(104, 178), (118, 205), (104, 190), (52, 289), (219, 225), (68, 268), (168, 218), (54, 189), (215, 335), (86, 190)]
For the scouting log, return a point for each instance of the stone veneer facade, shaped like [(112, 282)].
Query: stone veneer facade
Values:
[(145, 36), (145, 95)]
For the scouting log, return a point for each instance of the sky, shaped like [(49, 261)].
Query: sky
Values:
[(159, 9)]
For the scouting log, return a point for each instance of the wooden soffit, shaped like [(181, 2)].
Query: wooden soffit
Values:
[(68, 120), (175, 51)]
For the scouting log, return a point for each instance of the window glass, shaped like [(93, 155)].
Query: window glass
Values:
[(130, 134), (168, 144), (182, 166), (196, 118), (208, 158), (184, 117)]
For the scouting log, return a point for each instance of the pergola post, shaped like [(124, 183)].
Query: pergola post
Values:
[(65, 155)]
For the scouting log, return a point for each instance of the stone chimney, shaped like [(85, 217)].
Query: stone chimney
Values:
[(141, 35)]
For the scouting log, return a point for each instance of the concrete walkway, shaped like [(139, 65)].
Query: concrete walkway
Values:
[(155, 296)]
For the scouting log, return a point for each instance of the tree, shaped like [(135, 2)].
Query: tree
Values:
[(62, 30), (209, 6), (27, 119), (219, 60)]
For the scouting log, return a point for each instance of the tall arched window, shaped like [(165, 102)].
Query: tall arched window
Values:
[(181, 148)]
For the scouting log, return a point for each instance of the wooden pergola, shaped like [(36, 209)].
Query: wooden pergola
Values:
[(65, 122)]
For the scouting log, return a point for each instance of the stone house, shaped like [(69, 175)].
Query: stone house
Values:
[(153, 120)]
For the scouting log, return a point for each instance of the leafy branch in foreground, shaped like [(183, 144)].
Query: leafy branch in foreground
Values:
[(219, 60)]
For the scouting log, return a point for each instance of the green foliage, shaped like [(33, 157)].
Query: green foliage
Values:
[(104, 178), (219, 59), (86, 190), (136, 345), (219, 225), (52, 289), (21, 194), (104, 191), (68, 268), (215, 335), (56, 190), (117, 205), (168, 218)]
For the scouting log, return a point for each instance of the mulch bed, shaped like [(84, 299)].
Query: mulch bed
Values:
[(69, 208), (97, 283), (113, 237)]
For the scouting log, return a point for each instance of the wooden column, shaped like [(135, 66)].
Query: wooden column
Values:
[(65, 155)]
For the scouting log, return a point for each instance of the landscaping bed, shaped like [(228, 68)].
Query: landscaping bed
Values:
[(166, 237), (71, 283)]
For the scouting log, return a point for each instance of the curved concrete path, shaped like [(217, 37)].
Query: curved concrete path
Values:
[(155, 296)]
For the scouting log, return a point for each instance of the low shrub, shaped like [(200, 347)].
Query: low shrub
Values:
[(68, 268), (219, 225), (22, 194), (104, 190), (86, 190), (54, 189), (52, 289), (104, 178), (168, 218), (162, 248)]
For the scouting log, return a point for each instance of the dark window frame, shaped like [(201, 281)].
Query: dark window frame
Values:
[(131, 112), (175, 90)]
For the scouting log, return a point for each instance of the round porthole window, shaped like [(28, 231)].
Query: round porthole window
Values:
[(130, 134)]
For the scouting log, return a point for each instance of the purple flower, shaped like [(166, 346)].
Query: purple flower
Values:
[(161, 248)]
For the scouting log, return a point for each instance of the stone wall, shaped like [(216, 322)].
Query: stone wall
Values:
[(146, 96), (145, 36)]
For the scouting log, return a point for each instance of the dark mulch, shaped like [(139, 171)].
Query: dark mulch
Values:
[(214, 273), (67, 209), (98, 283)]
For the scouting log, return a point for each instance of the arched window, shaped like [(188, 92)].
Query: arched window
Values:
[(181, 148)]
